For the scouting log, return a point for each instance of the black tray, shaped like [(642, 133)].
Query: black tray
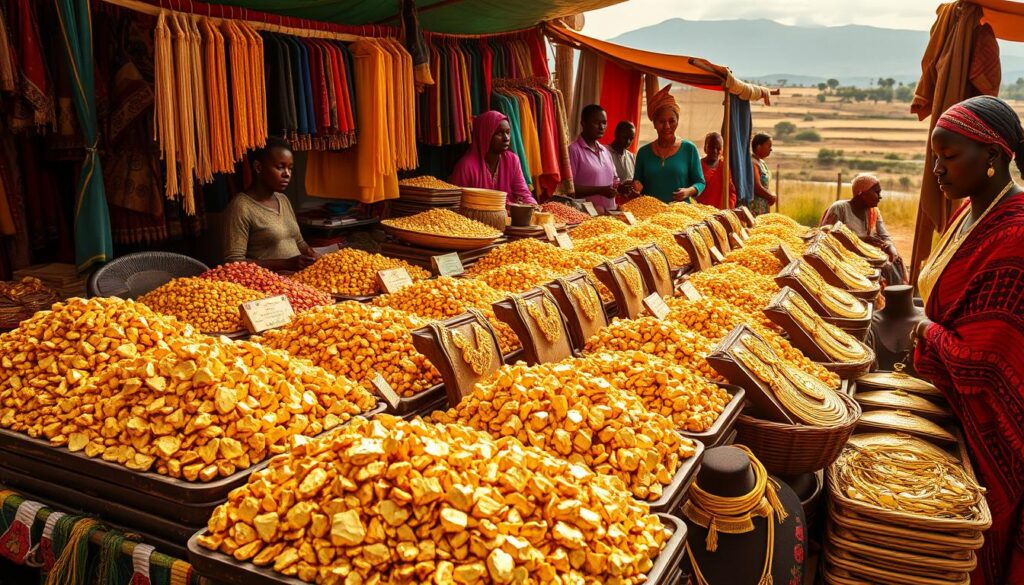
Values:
[(356, 298), (719, 431), (410, 407), (169, 537), (674, 494), (225, 570), (154, 485)]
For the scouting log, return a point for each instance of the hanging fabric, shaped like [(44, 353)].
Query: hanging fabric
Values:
[(34, 106), (589, 81), (8, 67), (740, 161), (620, 97)]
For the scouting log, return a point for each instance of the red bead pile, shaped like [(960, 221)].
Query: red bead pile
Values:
[(260, 279)]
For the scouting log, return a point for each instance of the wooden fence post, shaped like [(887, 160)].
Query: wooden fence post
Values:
[(778, 191)]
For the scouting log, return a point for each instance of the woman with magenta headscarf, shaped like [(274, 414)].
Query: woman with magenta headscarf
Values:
[(489, 164)]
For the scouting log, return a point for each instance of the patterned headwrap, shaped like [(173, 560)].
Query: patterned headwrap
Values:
[(661, 100), (963, 121)]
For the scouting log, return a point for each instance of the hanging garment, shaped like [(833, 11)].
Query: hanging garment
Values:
[(8, 67), (165, 113), (34, 106), (215, 71)]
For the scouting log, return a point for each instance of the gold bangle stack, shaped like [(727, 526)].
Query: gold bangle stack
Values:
[(804, 396), (586, 298), (837, 301), (480, 357), (658, 261), (838, 344), (545, 313), (631, 275), (907, 479)]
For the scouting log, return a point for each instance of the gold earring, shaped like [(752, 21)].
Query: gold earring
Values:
[(991, 171)]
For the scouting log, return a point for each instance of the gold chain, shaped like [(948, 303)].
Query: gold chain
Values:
[(801, 394), (839, 302), (629, 272), (548, 320), (854, 262), (838, 344), (586, 298), (657, 260), (480, 357)]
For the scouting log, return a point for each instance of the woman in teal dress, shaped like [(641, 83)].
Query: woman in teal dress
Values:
[(668, 168), (763, 197)]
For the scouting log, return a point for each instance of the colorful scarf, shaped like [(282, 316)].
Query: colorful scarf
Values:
[(964, 122), (472, 170), (661, 100)]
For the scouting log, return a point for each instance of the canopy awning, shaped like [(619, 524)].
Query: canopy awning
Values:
[(444, 16), (1005, 17), (692, 71)]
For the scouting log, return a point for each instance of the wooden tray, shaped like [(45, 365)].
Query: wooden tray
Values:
[(176, 491), (723, 426), (439, 242), (225, 570)]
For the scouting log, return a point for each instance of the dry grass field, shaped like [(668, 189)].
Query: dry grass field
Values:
[(883, 138)]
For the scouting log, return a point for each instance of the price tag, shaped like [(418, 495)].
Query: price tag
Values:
[(268, 313), (717, 254), (656, 305), (744, 233), (629, 217), (735, 240), (550, 231), (689, 291), (393, 280), (385, 390), (447, 264), (564, 241), (590, 209), (327, 249)]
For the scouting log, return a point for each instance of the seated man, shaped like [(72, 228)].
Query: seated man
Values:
[(861, 215)]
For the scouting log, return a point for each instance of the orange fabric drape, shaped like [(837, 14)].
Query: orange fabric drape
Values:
[(1005, 17)]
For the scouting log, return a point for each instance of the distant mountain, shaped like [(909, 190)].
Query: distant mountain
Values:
[(754, 49)]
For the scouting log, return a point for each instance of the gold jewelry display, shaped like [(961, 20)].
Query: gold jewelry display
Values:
[(851, 280), (949, 245), (480, 357), (586, 298), (705, 232), (864, 249), (546, 314), (838, 344), (734, 222), (700, 247), (658, 261), (719, 229), (837, 301), (801, 394), (736, 515), (631, 275), (843, 254), (907, 478)]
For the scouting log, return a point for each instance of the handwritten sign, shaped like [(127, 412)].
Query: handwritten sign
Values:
[(689, 291), (564, 241), (656, 305), (735, 240), (550, 231), (629, 217), (447, 264), (717, 255), (268, 313), (393, 280), (385, 390), (590, 209)]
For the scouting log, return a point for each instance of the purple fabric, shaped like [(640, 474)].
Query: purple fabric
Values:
[(471, 170), (592, 168)]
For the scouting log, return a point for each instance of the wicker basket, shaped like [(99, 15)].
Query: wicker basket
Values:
[(496, 219), (789, 450), (851, 370)]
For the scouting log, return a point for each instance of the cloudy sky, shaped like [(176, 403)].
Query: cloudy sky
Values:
[(908, 14)]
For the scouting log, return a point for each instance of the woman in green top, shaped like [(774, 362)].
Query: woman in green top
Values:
[(668, 168)]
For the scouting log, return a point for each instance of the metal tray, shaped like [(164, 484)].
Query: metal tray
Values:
[(719, 431), (356, 298), (225, 570), (176, 491), (410, 407), (674, 494)]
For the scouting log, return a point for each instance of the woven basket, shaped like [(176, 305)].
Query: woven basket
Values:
[(495, 219), (21, 300), (849, 371), (789, 450)]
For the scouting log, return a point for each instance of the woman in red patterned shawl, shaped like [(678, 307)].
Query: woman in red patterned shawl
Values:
[(972, 343)]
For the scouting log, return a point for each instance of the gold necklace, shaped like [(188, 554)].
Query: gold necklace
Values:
[(838, 302), (548, 320), (657, 260), (631, 275), (843, 254), (586, 298), (870, 252), (850, 280), (705, 232), (838, 344), (700, 248), (480, 357)]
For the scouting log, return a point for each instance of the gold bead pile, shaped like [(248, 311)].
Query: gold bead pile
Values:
[(608, 245), (756, 259), (351, 272), (645, 206), (443, 222), (598, 226), (207, 305), (429, 182), (654, 233), (517, 277), (659, 338), (738, 286)]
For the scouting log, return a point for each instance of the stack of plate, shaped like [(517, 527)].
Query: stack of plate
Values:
[(869, 544), (413, 200), (483, 199)]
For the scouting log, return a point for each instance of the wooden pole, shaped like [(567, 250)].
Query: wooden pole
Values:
[(778, 189), (839, 185)]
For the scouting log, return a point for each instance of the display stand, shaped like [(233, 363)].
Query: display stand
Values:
[(623, 278), (853, 243), (854, 313), (857, 285), (696, 249), (538, 322), (581, 304), (719, 234), (759, 394), (745, 216), (460, 367), (655, 268)]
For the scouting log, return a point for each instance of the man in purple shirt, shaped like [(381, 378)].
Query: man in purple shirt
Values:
[(593, 170)]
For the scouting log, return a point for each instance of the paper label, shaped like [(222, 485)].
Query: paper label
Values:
[(327, 249), (564, 241), (385, 390), (268, 313), (590, 209), (447, 264), (393, 280), (551, 232), (689, 291), (656, 305), (629, 217), (735, 240), (717, 255)]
